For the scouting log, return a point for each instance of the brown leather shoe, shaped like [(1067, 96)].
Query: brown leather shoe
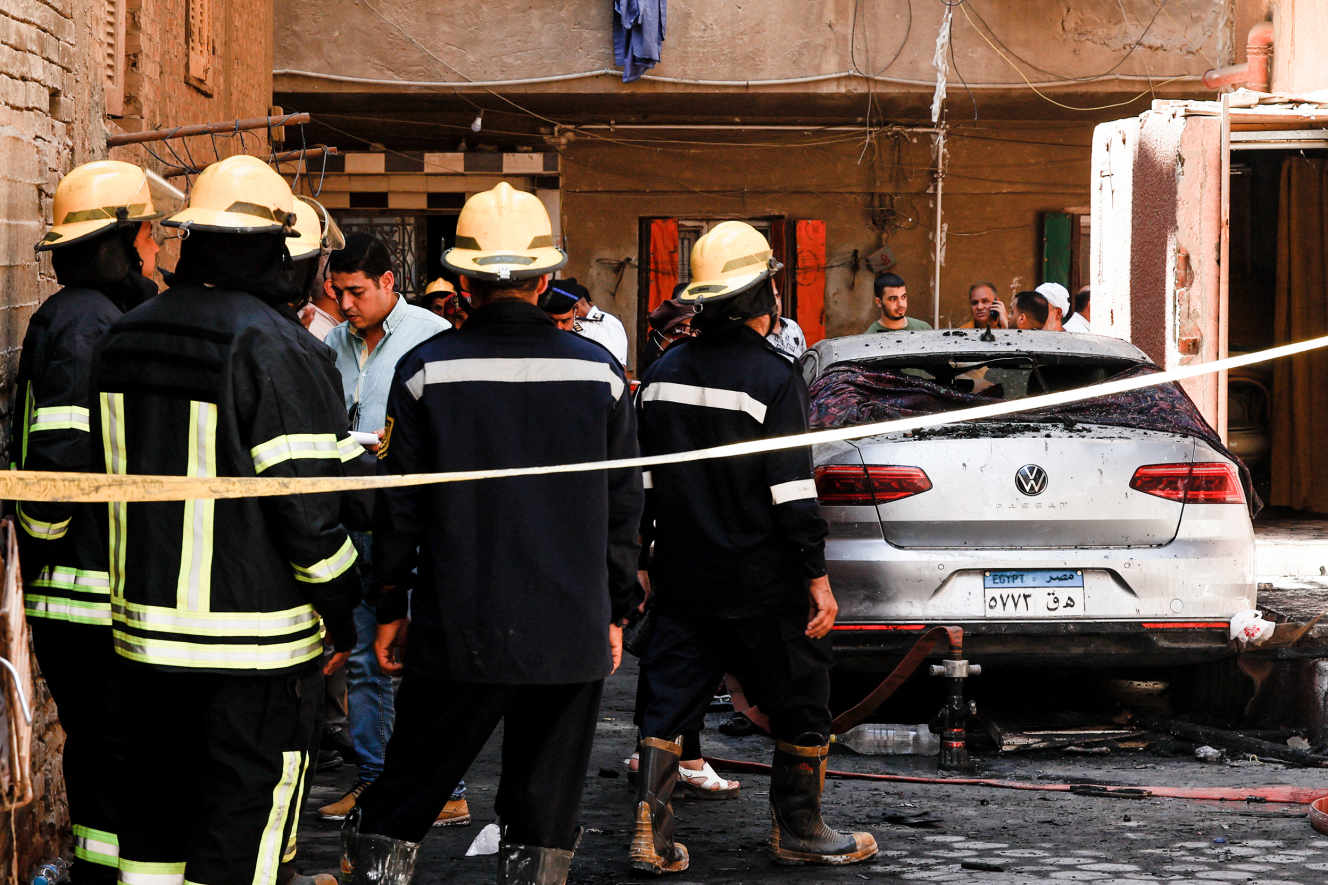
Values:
[(653, 850), (798, 833), (339, 809), (456, 813)]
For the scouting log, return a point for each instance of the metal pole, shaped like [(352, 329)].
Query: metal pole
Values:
[(206, 129), (936, 258), (277, 158)]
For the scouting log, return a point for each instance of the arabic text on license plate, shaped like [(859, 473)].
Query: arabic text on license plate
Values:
[(1033, 593)]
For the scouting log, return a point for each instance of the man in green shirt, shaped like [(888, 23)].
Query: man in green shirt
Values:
[(892, 299)]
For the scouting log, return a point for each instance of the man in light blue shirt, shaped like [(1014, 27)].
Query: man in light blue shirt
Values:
[(380, 328)]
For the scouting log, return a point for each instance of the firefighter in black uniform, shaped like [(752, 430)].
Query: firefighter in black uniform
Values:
[(216, 604), (102, 248), (508, 620), (739, 558)]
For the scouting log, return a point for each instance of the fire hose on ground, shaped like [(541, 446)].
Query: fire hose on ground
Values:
[(954, 750)]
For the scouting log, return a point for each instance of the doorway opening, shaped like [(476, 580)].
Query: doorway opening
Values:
[(1278, 412)]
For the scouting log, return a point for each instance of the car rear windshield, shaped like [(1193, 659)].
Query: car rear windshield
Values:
[(870, 391)]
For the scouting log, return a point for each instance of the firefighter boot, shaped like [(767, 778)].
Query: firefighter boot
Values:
[(797, 832), (532, 865), (368, 859), (653, 849)]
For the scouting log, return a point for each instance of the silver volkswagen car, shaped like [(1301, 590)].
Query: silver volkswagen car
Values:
[(1115, 531)]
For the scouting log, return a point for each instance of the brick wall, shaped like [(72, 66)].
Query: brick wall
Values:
[(50, 112), (52, 117)]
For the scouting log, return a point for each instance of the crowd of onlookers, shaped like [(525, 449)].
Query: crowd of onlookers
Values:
[(1049, 307)]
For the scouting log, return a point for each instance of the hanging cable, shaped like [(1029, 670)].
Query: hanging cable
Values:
[(1069, 107)]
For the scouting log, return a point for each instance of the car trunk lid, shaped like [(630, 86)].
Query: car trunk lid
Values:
[(1028, 486)]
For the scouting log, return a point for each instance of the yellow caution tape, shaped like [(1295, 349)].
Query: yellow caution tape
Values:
[(36, 485)]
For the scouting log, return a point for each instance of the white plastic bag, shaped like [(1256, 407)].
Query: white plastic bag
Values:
[(1249, 628)]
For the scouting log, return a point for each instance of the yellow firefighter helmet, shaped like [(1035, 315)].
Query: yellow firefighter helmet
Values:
[(237, 195), (504, 234), (96, 197), (440, 285), (727, 260)]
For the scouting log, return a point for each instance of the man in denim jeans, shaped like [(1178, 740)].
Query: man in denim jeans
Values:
[(380, 327)]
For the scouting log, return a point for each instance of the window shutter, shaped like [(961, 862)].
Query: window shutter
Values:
[(1056, 248), (199, 36), (113, 55), (809, 242), (657, 271), (663, 260)]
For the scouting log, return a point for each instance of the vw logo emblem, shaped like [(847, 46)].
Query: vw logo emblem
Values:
[(1031, 480)]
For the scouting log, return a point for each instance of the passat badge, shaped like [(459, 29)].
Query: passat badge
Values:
[(1031, 480)]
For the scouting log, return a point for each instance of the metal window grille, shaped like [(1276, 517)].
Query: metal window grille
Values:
[(404, 236)]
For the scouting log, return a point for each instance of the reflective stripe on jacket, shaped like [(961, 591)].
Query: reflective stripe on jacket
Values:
[(61, 547), (206, 382), (733, 536), (516, 579)]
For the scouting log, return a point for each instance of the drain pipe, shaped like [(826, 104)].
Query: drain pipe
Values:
[(1256, 70), (939, 252)]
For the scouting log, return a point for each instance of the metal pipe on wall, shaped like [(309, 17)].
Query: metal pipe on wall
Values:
[(939, 230)]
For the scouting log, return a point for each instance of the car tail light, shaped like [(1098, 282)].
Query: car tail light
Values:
[(1206, 482), (846, 484)]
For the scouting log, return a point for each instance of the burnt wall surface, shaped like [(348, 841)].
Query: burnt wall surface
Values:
[(999, 180)]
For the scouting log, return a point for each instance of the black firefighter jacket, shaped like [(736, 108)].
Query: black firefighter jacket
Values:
[(734, 537), (519, 577), (60, 546), (205, 382)]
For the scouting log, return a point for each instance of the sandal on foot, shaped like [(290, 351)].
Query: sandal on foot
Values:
[(704, 784)]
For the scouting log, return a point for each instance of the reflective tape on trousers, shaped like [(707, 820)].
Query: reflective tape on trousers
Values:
[(34, 485)]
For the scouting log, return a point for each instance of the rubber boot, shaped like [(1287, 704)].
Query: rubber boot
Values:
[(369, 859), (532, 865), (798, 834), (653, 849)]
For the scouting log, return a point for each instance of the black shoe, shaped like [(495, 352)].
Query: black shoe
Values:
[(737, 725), (328, 760), (338, 740)]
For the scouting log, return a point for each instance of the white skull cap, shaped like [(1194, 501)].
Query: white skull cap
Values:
[(1056, 295)]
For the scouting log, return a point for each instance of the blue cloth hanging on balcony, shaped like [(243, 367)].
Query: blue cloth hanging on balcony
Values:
[(638, 35)]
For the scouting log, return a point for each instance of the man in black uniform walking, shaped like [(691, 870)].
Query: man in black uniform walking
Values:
[(508, 621), (216, 603), (739, 558), (103, 252)]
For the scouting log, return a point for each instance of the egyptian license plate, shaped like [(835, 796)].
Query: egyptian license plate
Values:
[(1033, 593)]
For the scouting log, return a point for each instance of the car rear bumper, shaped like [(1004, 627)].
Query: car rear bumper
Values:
[(869, 647), (1205, 573)]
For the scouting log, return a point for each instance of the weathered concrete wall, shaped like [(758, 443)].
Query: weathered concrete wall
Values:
[(999, 180), (1300, 31), (508, 39)]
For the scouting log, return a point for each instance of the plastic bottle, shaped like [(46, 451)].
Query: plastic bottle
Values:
[(875, 739), (53, 872)]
